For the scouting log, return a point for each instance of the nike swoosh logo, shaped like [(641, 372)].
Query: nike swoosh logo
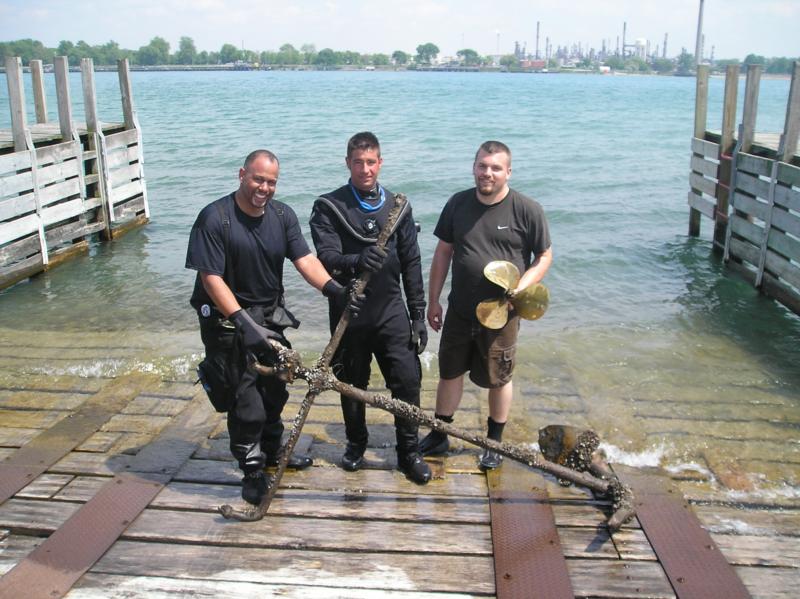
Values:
[(499, 227)]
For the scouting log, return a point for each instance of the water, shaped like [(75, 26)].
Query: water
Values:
[(641, 318)]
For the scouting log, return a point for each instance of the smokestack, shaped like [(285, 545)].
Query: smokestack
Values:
[(624, 31), (537, 40), (664, 54)]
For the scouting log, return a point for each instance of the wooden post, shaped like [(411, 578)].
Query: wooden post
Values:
[(39, 98), (96, 142), (63, 99), (791, 127), (700, 118), (16, 100), (750, 109), (726, 145), (128, 111)]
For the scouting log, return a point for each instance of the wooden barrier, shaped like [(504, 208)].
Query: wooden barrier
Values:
[(59, 185), (750, 190)]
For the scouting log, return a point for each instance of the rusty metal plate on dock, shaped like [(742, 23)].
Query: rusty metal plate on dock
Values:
[(528, 559), (44, 450), (53, 567), (693, 563)]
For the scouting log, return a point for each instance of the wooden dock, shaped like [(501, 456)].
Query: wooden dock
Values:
[(748, 183), (61, 183), (119, 480)]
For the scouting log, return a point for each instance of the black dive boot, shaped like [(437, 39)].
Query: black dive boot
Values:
[(355, 428), (491, 459), (254, 487), (435, 442), (271, 444), (409, 459), (353, 458)]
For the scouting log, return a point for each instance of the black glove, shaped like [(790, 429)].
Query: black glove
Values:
[(419, 332), (254, 336), (334, 290), (371, 259)]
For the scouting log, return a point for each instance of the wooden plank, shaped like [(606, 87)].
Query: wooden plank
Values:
[(786, 246), (702, 184), (791, 126), (750, 106), (787, 173), (16, 206), (62, 211), (770, 583), (755, 165), (69, 150), (752, 550), (704, 167), (123, 157), (45, 175), (744, 228), (63, 97), (124, 174), (16, 102), (15, 184), (705, 148), (371, 570), (701, 101), (786, 221), (39, 97), (752, 185), (777, 289), (781, 267), (15, 161), (15, 229), (730, 94), (124, 192), (787, 197), (749, 205), (122, 139), (60, 191), (702, 204)]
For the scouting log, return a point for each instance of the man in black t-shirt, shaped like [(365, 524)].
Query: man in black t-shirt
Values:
[(488, 222), (345, 224), (237, 246)]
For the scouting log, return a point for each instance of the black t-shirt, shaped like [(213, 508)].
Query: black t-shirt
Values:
[(514, 229), (258, 247)]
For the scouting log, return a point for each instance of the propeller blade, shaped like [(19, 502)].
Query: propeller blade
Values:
[(493, 314), (502, 273), (531, 303)]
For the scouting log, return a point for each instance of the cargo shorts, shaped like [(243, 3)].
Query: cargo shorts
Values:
[(488, 355)]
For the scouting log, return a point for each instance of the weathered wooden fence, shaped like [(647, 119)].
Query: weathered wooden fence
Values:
[(749, 184), (62, 183)]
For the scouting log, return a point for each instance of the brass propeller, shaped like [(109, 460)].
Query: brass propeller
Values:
[(530, 303)]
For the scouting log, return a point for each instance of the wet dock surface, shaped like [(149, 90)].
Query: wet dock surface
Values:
[(331, 533)]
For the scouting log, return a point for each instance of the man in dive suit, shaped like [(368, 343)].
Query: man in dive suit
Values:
[(345, 224)]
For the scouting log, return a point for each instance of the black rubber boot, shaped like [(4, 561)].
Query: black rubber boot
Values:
[(353, 458), (409, 459), (296, 462), (491, 459), (436, 443), (254, 486)]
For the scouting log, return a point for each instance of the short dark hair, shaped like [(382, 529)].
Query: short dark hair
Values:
[(365, 140), (258, 154), (493, 147)]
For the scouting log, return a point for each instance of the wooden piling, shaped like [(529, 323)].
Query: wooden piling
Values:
[(60, 185), (700, 118), (760, 181)]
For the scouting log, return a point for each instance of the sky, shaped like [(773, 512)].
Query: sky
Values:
[(734, 28)]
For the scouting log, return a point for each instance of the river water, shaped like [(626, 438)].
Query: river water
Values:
[(648, 338)]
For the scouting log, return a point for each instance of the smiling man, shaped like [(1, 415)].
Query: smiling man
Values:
[(238, 245), (487, 222), (345, 224)]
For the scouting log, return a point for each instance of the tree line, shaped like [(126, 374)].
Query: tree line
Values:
[(158, 52)]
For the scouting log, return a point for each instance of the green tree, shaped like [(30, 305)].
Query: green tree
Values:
[(351, 58), (469, 57), (309, 53), (202, 57), (780, 65), (288, 54), (754, 59), (427, 53), (325, 58), (379, 59), (685, 62), (27, 50), (187, 53), (229, 53), (509, 61), (400, 57), (615, 62), (156, 52), (663, 65)]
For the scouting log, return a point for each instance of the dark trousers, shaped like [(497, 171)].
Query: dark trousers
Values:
[(390, 343), (254, 417)]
